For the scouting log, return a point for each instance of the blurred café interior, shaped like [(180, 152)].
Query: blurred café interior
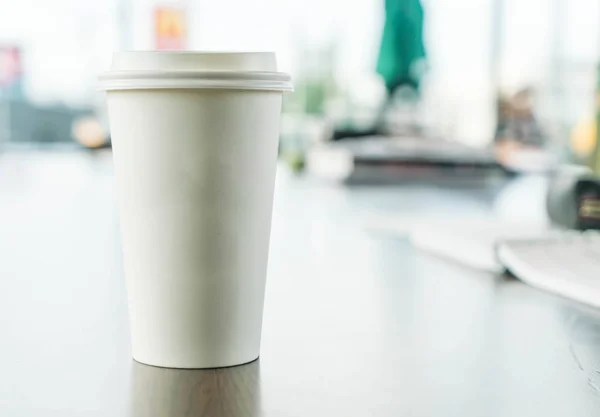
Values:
[(422, 136), (501, 75)]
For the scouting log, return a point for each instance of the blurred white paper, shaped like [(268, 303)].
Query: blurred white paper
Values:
[(468, 241)]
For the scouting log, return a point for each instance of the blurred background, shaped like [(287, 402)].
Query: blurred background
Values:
[(500, 75), (416, 127)]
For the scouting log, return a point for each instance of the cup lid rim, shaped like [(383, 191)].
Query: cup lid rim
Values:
[(163, 79)]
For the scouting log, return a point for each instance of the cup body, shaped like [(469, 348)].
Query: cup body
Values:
[(195, 172)]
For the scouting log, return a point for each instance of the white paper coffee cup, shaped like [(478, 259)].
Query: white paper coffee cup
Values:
[(195, 143)]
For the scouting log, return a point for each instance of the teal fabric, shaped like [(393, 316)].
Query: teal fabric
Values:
[(401, 43)]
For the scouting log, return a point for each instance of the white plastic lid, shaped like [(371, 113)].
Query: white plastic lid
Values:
[(213, 70)]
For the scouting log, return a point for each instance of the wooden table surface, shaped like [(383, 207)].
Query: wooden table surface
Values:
[(357, 323)]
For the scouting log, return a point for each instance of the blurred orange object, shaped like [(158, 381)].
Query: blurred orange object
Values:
[(169, 29), (89, 132)]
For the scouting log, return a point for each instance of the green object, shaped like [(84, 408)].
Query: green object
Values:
[(296, 161), (401, 44), (315, 95)]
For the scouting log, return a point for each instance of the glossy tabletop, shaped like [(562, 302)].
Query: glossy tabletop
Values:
[(357, 323)]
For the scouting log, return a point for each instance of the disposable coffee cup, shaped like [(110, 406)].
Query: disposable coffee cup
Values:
[(195, 139)]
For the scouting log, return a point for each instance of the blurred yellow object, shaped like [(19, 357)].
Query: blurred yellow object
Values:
[(583, 137), (594, 157), (594, 160)]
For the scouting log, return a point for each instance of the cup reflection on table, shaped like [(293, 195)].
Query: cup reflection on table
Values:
[(160, 392)]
